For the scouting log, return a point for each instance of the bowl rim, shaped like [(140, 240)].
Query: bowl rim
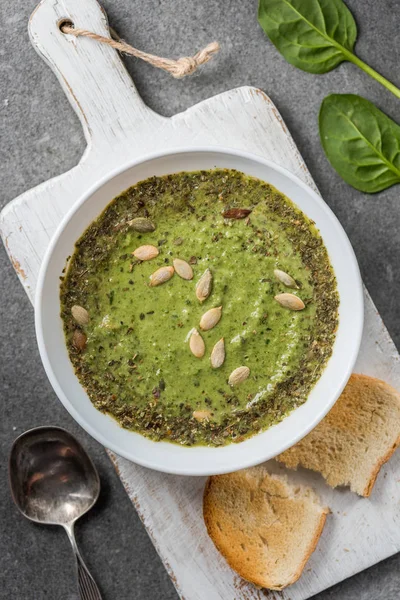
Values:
[(88, 426)]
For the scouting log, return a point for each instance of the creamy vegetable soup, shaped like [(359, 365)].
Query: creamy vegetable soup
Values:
[(199, 308)]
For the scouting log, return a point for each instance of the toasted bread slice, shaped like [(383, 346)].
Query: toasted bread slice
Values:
[(360, 433), (264, 527)]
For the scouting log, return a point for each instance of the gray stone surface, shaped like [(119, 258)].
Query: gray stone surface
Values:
[(41, 137)]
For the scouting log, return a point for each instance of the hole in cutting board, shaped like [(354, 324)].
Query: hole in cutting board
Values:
[(64, 23)]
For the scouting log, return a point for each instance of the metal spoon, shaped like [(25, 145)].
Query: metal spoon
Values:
[(53, 481)]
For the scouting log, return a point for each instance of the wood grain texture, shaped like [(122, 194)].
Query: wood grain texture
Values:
[(120, 128)]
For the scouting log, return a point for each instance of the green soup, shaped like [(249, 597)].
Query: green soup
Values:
[(130, 346)]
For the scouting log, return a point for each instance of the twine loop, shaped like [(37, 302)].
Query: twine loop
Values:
[(179, 68), (186, 65)]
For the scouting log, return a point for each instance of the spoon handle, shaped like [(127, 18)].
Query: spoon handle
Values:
[(88, 589)]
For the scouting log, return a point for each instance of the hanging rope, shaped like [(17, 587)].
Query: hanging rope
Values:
[(177, 68)]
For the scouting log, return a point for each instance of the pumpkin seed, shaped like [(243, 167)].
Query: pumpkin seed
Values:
[(285, 278), (142, 225), (210, 318), (161, 276), (196, 344), (202, 415), (218, 354), (238, 375), (290, 301), (145, 252), (79, 340), (80, 315), (183, 269), (204, 285)]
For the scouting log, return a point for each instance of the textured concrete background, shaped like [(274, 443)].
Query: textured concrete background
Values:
[(41, 137)]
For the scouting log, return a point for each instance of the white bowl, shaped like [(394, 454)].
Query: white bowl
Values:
[(165, 456)]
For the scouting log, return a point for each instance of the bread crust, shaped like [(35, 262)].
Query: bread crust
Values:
[(374, 474), (363, 395), (383, 459), (228, 547)]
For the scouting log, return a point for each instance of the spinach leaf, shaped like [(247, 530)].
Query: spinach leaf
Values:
[(360, 141), (313, 35)]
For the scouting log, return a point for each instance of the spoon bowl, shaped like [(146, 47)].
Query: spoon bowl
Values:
[(52, 478), (54, 482)]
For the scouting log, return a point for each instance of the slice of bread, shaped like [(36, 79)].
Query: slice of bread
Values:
[(265, 528), (360, 433)]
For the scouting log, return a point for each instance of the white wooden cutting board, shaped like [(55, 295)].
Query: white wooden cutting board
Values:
[(119, 128)]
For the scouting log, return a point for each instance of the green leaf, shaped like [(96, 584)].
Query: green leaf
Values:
[(313, 35), (360, 141)]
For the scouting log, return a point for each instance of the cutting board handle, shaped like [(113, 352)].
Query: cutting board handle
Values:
[(92, 75)]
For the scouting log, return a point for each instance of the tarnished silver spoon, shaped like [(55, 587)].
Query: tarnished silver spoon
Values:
[(54, 482)]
